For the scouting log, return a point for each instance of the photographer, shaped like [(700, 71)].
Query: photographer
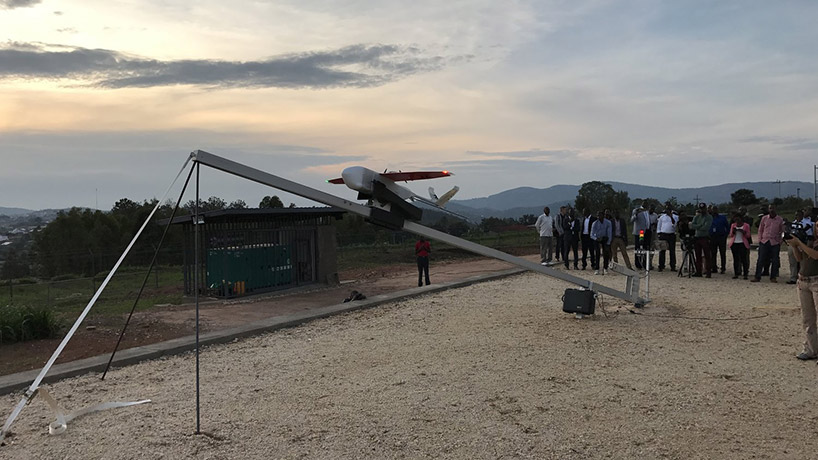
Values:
[(807, 222), (807, 294), (701, 226), (685, 232), (739, 243), (796, 229)]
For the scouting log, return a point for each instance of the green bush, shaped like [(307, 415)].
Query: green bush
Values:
[(20, 323), (64, 277)]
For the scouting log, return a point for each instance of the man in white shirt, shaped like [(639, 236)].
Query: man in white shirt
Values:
[(545, 227), (666, 229)]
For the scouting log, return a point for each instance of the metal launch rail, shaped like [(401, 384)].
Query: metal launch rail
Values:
[(396, 213), (393, 218)]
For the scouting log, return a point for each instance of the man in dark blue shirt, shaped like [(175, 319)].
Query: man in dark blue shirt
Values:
[(718, 239)]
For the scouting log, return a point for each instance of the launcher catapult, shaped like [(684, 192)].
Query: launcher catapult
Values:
[(388, 207), (393, 211)]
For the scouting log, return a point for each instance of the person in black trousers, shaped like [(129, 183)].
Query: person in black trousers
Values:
[(422, 250), (571, 226), (588, 245)]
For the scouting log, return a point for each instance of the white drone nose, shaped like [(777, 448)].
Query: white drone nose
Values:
[(358, 178)]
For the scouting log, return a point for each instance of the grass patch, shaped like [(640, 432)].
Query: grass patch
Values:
[(66, 296), (20, 323), (70, 296)]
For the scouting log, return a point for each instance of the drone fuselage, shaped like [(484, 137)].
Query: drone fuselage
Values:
[(362, 181)]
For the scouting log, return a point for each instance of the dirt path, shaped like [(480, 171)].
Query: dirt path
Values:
[(492, 370)]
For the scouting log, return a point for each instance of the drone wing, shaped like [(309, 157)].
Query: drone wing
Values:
[(415, 175)]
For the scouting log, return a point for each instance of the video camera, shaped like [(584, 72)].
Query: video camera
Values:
[(688, 239), (795, 229)]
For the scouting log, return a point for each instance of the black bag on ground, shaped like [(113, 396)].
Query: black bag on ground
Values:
[(354, 295), (579, 301)]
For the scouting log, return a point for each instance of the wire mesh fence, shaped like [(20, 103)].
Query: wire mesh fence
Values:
[(164, 285)]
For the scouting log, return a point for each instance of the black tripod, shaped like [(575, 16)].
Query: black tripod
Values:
[(688, 260)]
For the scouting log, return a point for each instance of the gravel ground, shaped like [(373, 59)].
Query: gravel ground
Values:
[(494, 370)]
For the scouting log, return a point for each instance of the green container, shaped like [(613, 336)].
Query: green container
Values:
[(265, 267)]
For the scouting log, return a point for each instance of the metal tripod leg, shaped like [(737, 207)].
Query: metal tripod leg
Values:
[(687, 262)]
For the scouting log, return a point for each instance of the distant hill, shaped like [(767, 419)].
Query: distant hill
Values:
[(528, 200), (14, 211)]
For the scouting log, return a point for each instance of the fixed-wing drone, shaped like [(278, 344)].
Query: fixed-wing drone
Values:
[(383, 189)]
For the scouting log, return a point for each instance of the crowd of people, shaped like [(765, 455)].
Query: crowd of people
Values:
[(704, 238)]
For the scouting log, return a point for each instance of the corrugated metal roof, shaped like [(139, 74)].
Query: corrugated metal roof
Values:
[(224, 215)]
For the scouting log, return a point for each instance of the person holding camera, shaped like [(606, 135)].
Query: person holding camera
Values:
[(701, 226), (601, 233), (739, 244), (770, 231), (807, 255), (807, 224), (795, 228)]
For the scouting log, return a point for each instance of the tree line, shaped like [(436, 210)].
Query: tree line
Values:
[(82, 241)]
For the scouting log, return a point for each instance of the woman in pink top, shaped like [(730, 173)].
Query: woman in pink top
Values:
[(739, 242)]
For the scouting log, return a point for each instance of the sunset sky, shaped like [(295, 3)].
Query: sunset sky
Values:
[(101, 100)]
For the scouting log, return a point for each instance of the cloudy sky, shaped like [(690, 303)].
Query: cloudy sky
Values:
[(105, 99)]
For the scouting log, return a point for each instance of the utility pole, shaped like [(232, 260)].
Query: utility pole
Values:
[(697, 200)]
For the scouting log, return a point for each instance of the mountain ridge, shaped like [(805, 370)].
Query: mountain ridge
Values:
[(529, 200), (14, 211)]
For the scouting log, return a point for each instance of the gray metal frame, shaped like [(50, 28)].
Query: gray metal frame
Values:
[(631, 292)]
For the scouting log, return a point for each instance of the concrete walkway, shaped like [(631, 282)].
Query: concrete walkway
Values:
[(20, 381)]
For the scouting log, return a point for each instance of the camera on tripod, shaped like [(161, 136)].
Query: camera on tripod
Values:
[(688, 240)]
